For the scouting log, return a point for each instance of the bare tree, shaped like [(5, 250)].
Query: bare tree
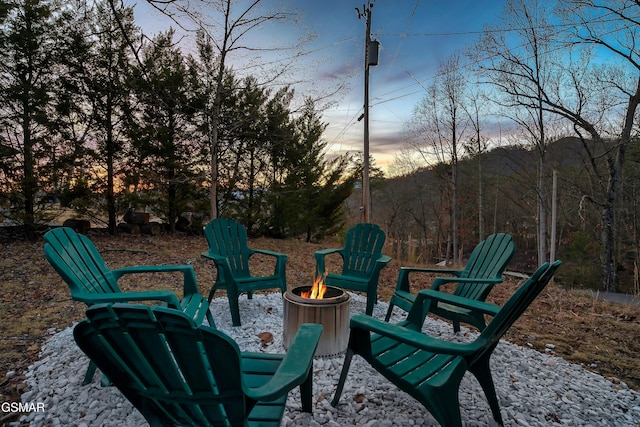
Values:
[(520, 63), (236, 25), (407, 206), (606, 125), (476, 146), (405, 162), (600, 101), (442, 124)]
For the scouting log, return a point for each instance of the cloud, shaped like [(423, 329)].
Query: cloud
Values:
[(339, 72)]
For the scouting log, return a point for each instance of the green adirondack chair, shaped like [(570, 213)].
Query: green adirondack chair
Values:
[(362, 261), (430, 369), (484, 269), (228, 249), (78, 262), (177, 373)]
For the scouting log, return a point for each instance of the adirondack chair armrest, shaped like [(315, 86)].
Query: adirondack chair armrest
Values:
[(439, 281), (165, 296), (269, 253), (190, 285), (325, 252), (295, 366), (320, 256), (436, 296), (403, 283), (411, 337), (213, 257), (281, 259), (452, 271), (383, 260), (220, 262)]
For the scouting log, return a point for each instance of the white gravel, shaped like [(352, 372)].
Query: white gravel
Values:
[(534, 389)]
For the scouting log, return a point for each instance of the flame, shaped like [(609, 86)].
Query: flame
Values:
[(317, 290)]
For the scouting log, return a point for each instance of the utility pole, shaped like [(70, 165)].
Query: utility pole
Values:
[(370, 58)]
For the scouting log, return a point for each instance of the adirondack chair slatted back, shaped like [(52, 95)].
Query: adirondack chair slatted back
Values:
[(362, 261), (228, 238), (78, 262), (169, 369), (488, 259), (483, 270), (516, 305), (362, 248), (431, 369), (230, 253)]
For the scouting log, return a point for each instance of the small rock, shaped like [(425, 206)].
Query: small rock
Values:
[(534, 389)]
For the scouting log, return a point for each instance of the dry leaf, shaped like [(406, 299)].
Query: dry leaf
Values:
[(266, 338)]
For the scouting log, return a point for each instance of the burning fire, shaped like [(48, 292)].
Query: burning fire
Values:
[(317, 290)]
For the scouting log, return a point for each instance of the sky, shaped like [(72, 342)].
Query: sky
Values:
[(415, 37)]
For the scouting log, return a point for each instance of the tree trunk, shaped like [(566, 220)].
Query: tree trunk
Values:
[(481, 231), (608, 240), (542, 212), (608, 220), (29, 182), (213, 163), (615, 177), (110, 148), (454, 185)]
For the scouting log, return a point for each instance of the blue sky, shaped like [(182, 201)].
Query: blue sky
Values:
[(415, 37)]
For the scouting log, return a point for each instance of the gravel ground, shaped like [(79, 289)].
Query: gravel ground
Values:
[(534, 389)]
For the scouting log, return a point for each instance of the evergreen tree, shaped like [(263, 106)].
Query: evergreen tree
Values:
[(249, 151), (104, 74), (160, 132), (280, 139), (314, 189), (203, 84), (27, 63)]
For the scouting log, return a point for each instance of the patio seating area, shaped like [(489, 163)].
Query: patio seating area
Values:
[(128, 342), (533, 388)]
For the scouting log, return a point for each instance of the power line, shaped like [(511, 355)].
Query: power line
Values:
[(395, 53), (495, 30), (381, 98)]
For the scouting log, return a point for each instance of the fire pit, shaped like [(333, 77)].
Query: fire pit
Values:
[(321, 304)]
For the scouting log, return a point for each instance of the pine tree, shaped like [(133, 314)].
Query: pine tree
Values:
[(28, 40), (162, 149), (105, 75)]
